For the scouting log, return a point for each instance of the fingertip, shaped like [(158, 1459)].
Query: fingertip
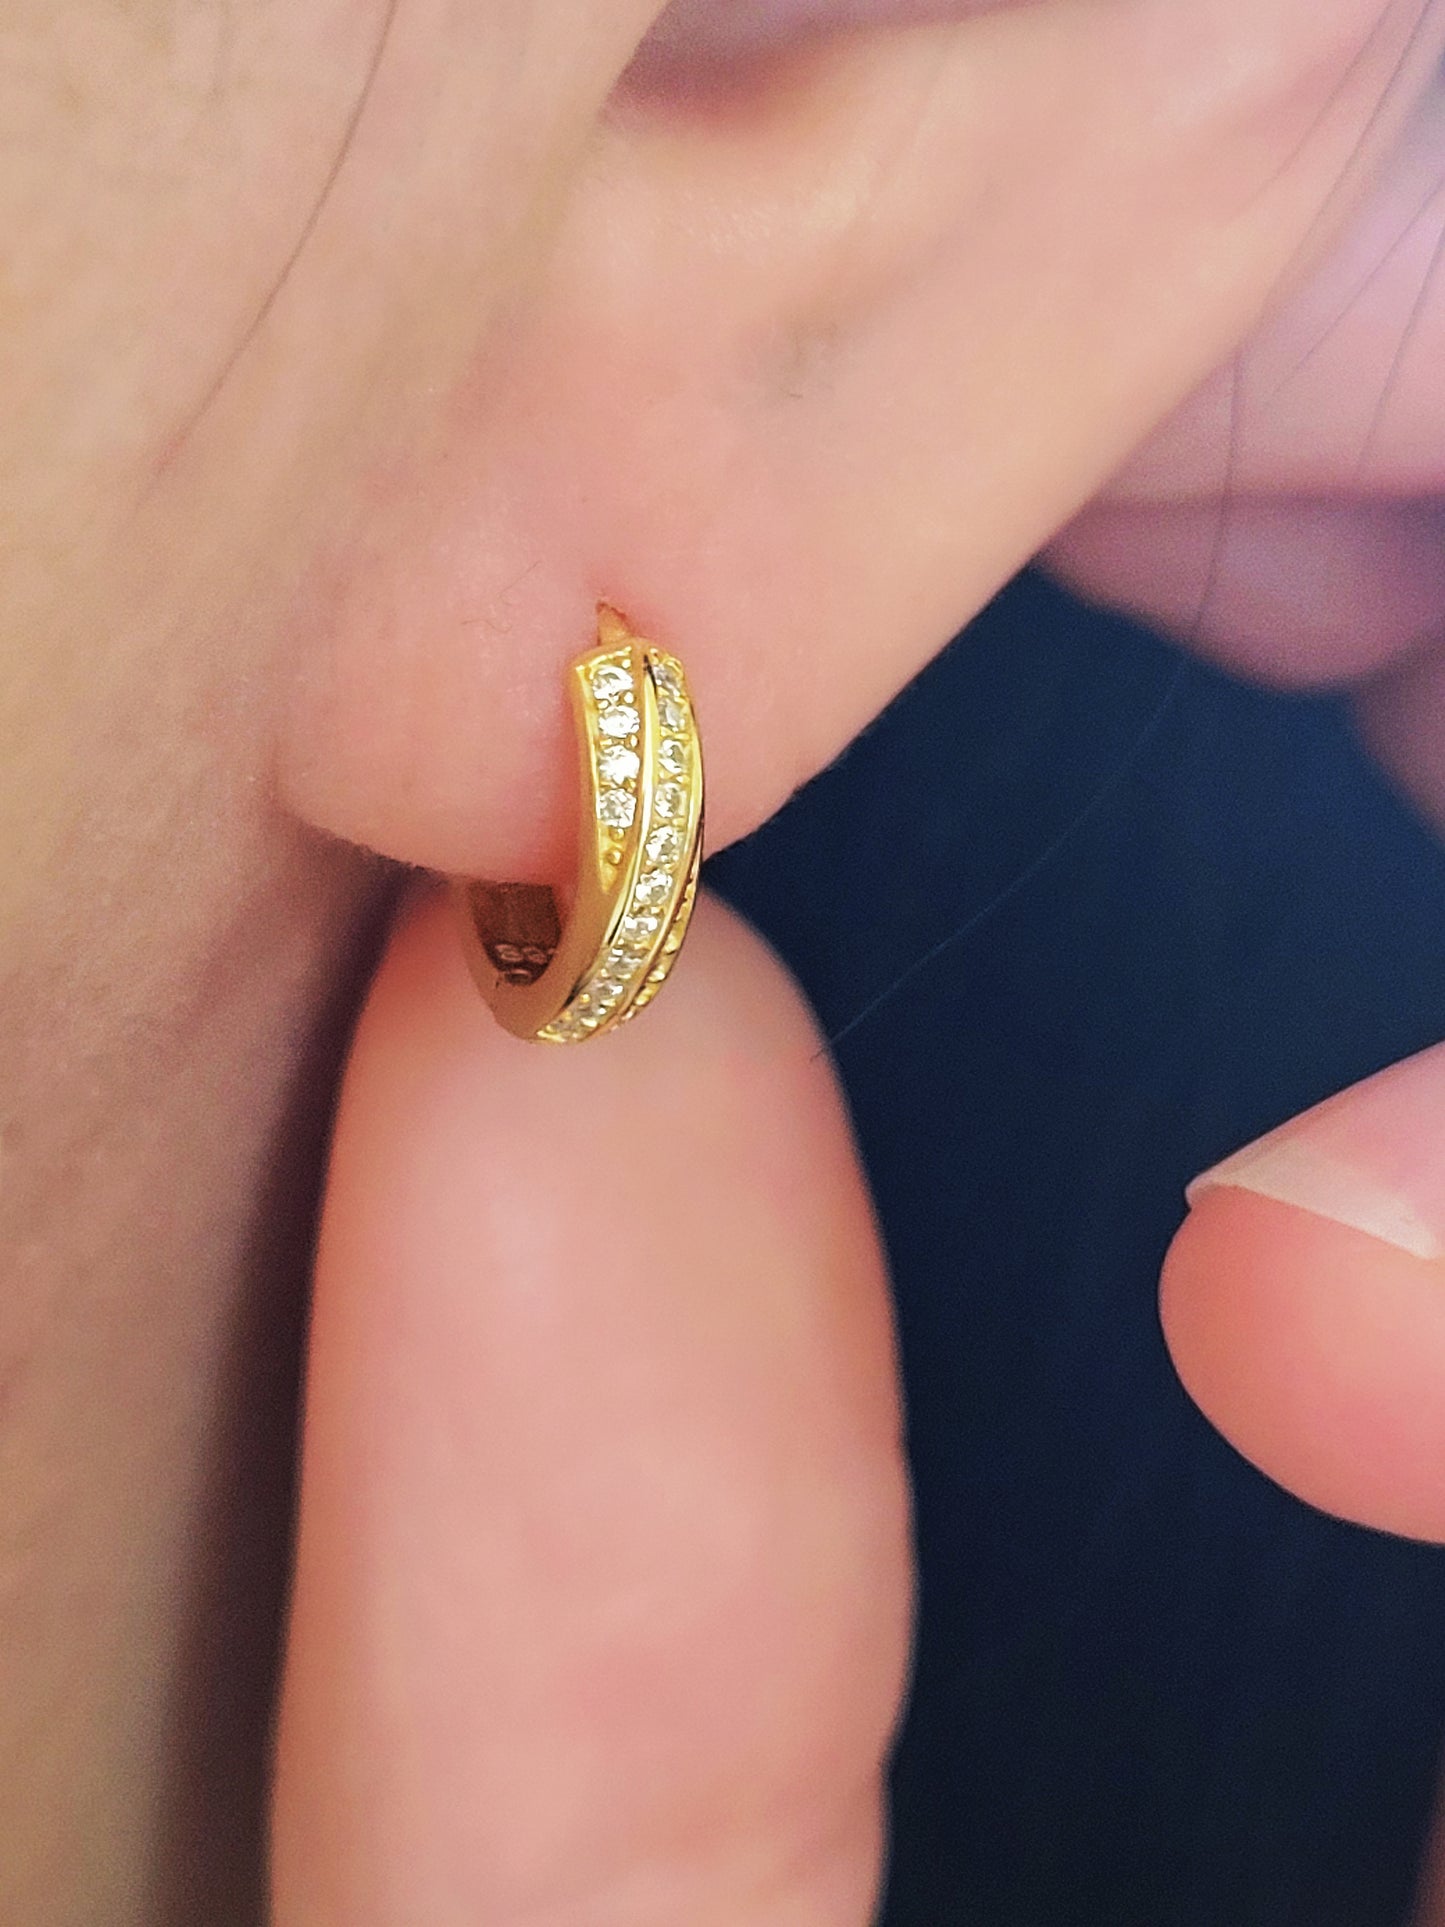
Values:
[(1318, 1351)]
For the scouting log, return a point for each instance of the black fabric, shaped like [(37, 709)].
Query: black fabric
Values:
[(1151, 1690)]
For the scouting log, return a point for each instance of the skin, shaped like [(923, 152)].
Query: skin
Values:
[(350, 355)]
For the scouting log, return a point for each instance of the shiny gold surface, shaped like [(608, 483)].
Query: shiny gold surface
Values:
[(564, 979)]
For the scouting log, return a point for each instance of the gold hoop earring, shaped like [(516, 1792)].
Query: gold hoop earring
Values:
[(563, 979)]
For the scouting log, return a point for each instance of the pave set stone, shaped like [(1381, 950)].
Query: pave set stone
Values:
[(613, 685), (628, 974), (619, 766)]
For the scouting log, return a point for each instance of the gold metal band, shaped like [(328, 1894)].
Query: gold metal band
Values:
[(640, 844)]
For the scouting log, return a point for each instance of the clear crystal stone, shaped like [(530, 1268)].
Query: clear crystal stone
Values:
[(611, 679), (653, 886), (618, 722), (617, 807), (673, 758), (668, 800), (671, 713), (666, 677), (619, 765), (637, 932), (664, 846)]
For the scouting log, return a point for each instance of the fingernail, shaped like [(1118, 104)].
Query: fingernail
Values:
[(1372, 1158)]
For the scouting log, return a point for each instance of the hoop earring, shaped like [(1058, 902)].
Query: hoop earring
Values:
[(561, 980)]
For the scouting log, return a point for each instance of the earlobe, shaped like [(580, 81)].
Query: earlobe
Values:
[(800, 384)]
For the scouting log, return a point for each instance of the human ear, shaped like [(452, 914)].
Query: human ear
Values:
[(810, 352)]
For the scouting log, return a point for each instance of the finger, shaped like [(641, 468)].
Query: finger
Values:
[(600, 1606), (1304, 1301), (1402, 717), (1295, 593)]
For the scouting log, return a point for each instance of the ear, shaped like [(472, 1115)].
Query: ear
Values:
[(800, 356)]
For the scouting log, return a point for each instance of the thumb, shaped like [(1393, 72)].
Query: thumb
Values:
[(1304, 1301), (601, 1600)]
